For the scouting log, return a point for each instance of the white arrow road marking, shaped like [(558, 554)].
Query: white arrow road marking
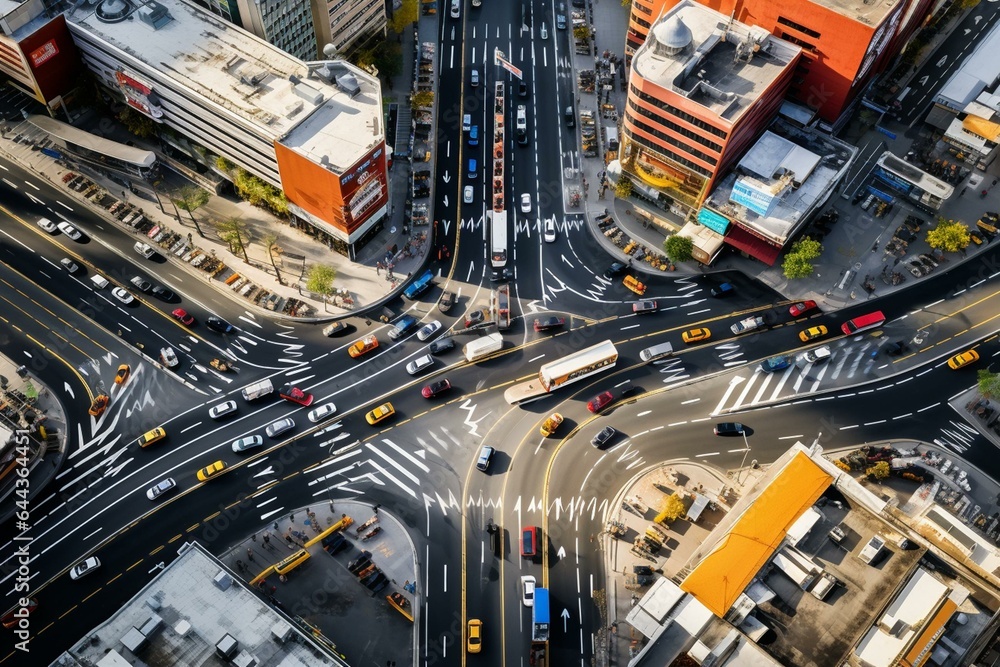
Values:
[(266, 471), (69, 390), (446, 224), (446, 178), (565, 615), (941, 62), (445, 201)]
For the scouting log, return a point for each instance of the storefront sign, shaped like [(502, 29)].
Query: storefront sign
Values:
[(44, 52)]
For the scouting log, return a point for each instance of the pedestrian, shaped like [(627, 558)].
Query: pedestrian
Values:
[(288, 538), (267, 538), (253, 536), (250, 554), (239, 564), (275, 525), (283, 579)]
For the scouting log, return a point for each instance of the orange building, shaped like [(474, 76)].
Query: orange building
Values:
[(844, 43), (702, 89)]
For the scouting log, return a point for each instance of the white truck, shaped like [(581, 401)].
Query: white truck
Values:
[(481, 347), (747, 325), (252, 392)]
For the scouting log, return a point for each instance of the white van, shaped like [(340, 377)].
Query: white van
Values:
[(456, 8), (656, 352), (100, 282), (612, 134)]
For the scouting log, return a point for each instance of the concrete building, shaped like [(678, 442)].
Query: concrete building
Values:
[(346, 23), (288, 24), (196, 612), (810, 567), (844, 44), (782, 183), (702, 89)]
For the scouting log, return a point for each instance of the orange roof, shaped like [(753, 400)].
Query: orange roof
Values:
[(987, 129), (725, 572)]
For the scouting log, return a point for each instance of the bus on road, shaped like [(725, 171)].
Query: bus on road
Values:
[(569, 369), (498, 239)]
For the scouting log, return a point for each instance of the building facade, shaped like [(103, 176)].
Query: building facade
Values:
[(844, 44), (346, 23), (288, 24), (702, 89)]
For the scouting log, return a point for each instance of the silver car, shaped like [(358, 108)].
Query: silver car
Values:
[(222, 409), (317, 415), (420, 364), (84, 567), (279, 427), (247, 443), (158, 490)]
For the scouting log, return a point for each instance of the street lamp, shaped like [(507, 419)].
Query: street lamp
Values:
[(743, 432)]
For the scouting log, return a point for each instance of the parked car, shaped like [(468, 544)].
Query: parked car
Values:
[(604, 436), (801, 308), (144, 249), (339, 328)]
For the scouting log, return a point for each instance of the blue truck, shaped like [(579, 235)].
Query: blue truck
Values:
[(540, 616), (420, 285)]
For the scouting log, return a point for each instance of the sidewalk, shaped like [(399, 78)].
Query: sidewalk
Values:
[(26, 403), (323, 594), (361, 285)]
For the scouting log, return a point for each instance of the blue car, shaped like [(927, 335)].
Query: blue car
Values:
[(779, 363), (474, 136), (405, 324)]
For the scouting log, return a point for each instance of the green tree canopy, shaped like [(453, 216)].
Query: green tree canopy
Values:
[(673, 508), (949, 236), (989, 384), (796, 266), (808, 248), (623, 188), (679, 248), (408, 13), (320, 280), (235, 231)]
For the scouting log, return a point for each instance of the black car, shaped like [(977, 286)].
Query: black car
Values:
[(163, 294), (723, 290), (604, 437), (499, 275), (547, 323), (729, 428), (522, 88), (474, 318), (141, 284), (616, 269), (218, 324), (441, 345)]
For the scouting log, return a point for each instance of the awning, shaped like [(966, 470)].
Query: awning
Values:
[(752, 245)]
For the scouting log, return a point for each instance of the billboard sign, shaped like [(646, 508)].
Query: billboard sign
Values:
[(754, 199), (44, 52), (717, 223)]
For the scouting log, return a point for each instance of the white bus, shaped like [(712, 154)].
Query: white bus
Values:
[(498, 239), (569, 369)]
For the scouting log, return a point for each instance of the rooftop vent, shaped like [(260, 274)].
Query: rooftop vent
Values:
[(252, 76), (348, 83), (154, 15), (672, 37), (308, 93)]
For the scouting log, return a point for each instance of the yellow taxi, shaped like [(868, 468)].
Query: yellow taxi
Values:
[(474, 636), (634, 284), (963, 359), (362, 346), (383, 411), (123, 372), (550, 425), (696, 335), (211, 471), (812, 333), (149, 437), (99, 405)]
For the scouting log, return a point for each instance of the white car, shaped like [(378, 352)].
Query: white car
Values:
[(69, 230), (456, 10), (70, 266), (143, 249), (528, 590), (420, 364), (428, 330), (247, 443), (525, 203), (550, 230), (222, 409), (474, 77), (317, 415), (467, 194), (814, 356), (168, 357), (84, 567), (122, 295), (158, 490), (47, 225)]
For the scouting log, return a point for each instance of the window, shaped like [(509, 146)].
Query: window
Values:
[(680, 129), (798, 26), (686, 117)]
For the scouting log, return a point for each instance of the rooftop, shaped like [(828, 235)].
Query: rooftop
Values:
[(720, 64), (180, 616), (869, 12), (321, 111), (796, 166)]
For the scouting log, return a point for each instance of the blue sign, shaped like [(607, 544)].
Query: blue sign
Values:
[(712, 220), (52, 153), (756, 200), (891, 135)]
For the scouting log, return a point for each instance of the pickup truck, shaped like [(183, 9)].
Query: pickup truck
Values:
[(748, 324)]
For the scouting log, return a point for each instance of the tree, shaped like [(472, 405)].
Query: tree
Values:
[(423, 99), (136, 123), (949, 236), (796, 266), (224, 165), (320, 280), (407, 13), (581, 32), (989, 384), (679, 248), (623, 188), (626, 3), (270, 243), (388, 58), (673, 508), (235, 231), (808, 248), (190, 198)]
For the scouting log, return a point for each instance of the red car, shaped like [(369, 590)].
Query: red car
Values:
[(182, 316), (435, 388), (801, 308), (549, 323), (295, 395), (601, 401)]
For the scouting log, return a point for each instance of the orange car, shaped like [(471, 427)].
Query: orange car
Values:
[(99, 405), (363, 346)]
